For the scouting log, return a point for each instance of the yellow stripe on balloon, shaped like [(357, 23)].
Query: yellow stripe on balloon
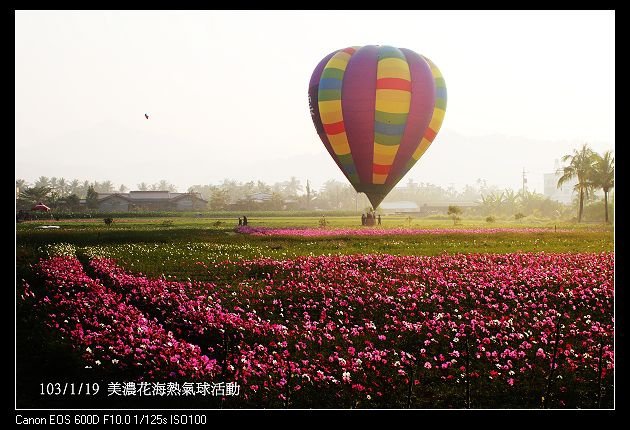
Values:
[(378, 179), (339, 143), (383, 159), (393, 68), (396, 96), (384, 149), (339, 61), (421, 149), (329, 107), (384, 154), (436, 119), (333, 116), (388, 106)]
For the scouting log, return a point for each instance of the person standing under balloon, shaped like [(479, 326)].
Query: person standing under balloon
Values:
[(379, 219), (363, 219)]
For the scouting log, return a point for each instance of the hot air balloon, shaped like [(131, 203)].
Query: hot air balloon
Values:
[(377, 109)]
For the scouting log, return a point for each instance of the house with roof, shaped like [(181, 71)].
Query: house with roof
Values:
[(150, 201), (423, 208), (398, 207)]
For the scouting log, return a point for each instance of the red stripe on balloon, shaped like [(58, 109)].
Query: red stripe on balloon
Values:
[(430, 134), (393, 84), (380, 169), (350, 50), (334, 128)]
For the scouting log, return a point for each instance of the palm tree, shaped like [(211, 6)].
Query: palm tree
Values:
[(63, 186), (105, 187), (20, 184), (164, 185), (33, 195), (84, 188), (42, 182), (510, 199), (291, 187), (75, 187), (580, 166), (603, 175), (492, 202)]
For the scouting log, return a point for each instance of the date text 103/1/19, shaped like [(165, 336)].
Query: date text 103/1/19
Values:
[(69, 388)]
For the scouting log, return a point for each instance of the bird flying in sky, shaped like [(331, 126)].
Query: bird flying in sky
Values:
[(146, 116)]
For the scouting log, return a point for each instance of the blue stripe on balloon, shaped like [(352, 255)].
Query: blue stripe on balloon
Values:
[(350, 169), (440, 92), (330, 84), (389, 129)]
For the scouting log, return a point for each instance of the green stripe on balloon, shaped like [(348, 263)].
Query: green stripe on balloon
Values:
[(346, 159), (440, 103), (327, 95), (390, 52), (384, 139), (390, 118), (439, 82), (332, 73)]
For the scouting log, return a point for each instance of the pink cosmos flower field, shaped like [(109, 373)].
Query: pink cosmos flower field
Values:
[(324, 232), (487, 330)]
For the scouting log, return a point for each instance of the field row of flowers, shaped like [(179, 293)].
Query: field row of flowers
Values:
[(363, 330), (109, 332), (371, 231)]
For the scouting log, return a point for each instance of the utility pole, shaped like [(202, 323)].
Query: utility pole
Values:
[(524, 181)]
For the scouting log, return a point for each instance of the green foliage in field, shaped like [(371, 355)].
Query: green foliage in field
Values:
[(174, 246)]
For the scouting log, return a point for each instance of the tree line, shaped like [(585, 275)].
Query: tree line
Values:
[(63, 194), (592, 171)]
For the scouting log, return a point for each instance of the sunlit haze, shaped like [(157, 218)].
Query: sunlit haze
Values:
[(226, 92)]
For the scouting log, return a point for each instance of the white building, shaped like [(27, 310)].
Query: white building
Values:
[(565, 193), (399, 207)]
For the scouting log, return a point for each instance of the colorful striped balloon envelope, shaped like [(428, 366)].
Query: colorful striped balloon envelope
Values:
[(376, 109)]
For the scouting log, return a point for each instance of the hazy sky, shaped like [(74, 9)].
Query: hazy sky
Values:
[(226, 92)]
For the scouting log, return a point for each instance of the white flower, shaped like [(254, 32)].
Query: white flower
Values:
[(98, 362)]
